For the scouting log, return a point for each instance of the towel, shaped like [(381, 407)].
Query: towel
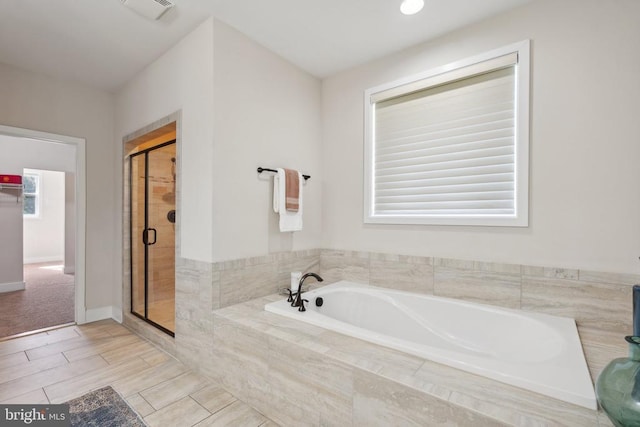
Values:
[(292, 189), (289, 220)]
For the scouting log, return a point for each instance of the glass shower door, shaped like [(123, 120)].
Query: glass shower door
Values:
[(153, 187)]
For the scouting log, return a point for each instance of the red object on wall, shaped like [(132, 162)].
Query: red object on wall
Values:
[(10, 179)]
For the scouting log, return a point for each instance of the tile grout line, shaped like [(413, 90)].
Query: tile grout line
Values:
[(46, 395), (198, 403)]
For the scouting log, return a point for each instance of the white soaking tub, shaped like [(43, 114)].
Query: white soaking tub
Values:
[(537, 352)]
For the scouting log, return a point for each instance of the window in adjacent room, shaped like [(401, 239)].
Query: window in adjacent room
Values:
[(451, 145), (31, 195)]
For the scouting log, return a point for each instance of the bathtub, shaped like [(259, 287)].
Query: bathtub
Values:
[(537, 352)]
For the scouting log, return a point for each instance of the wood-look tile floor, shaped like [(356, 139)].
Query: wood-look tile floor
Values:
[(62, 364)]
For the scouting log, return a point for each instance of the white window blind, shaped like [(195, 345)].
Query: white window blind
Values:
[(444, 149)]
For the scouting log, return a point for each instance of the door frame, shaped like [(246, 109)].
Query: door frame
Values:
[(81, 202)]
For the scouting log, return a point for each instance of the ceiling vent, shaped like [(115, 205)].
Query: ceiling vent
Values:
[(152, 9)]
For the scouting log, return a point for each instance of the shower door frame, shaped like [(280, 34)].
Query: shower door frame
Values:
[(146, 227)]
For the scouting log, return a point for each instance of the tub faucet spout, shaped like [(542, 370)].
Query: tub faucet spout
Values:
[(298, 302)]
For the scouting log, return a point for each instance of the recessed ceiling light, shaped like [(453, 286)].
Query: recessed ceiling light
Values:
[(411, 7)]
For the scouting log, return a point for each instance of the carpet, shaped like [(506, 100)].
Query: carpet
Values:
[(103, 408), (48, 300)]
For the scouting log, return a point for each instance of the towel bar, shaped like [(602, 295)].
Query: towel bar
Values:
[(260, 170)]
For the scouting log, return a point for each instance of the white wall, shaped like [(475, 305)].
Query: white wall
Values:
[(267, 113), (242, 107), (34, 101), (584, 198), (43, 235), (181, 79)]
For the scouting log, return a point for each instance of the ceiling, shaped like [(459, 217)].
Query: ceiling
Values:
[(103, 44)]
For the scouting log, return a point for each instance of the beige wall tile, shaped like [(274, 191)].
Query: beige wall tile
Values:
[(550, 272), (483, 287), (405, 276), (497, 267), (404, 259), (461, 264), (344, 265), (614, 278), (248, 283), (594, 305)]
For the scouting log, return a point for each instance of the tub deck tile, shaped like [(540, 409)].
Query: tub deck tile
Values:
[(381, 402), (375, 385), (503, 402)]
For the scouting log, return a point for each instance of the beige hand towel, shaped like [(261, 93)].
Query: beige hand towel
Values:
[(292, 190), (289, 221)]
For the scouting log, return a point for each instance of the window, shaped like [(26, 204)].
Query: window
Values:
[(451, 146), (31, 195)]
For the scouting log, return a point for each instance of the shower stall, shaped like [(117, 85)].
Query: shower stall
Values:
[(152, 183)]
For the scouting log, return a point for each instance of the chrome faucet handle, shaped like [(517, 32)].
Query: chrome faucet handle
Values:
[(302, 307)]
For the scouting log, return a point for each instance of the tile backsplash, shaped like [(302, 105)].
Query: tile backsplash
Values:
[(595, 299)]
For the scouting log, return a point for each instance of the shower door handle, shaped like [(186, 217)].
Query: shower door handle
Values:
[(145, 236)]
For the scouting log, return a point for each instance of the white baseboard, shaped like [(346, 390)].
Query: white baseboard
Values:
[(38, 260), (69, 270), (101, 313), (10, 287)]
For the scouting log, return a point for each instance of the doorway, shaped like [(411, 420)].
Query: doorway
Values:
[(152, 183), (40, 150)]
